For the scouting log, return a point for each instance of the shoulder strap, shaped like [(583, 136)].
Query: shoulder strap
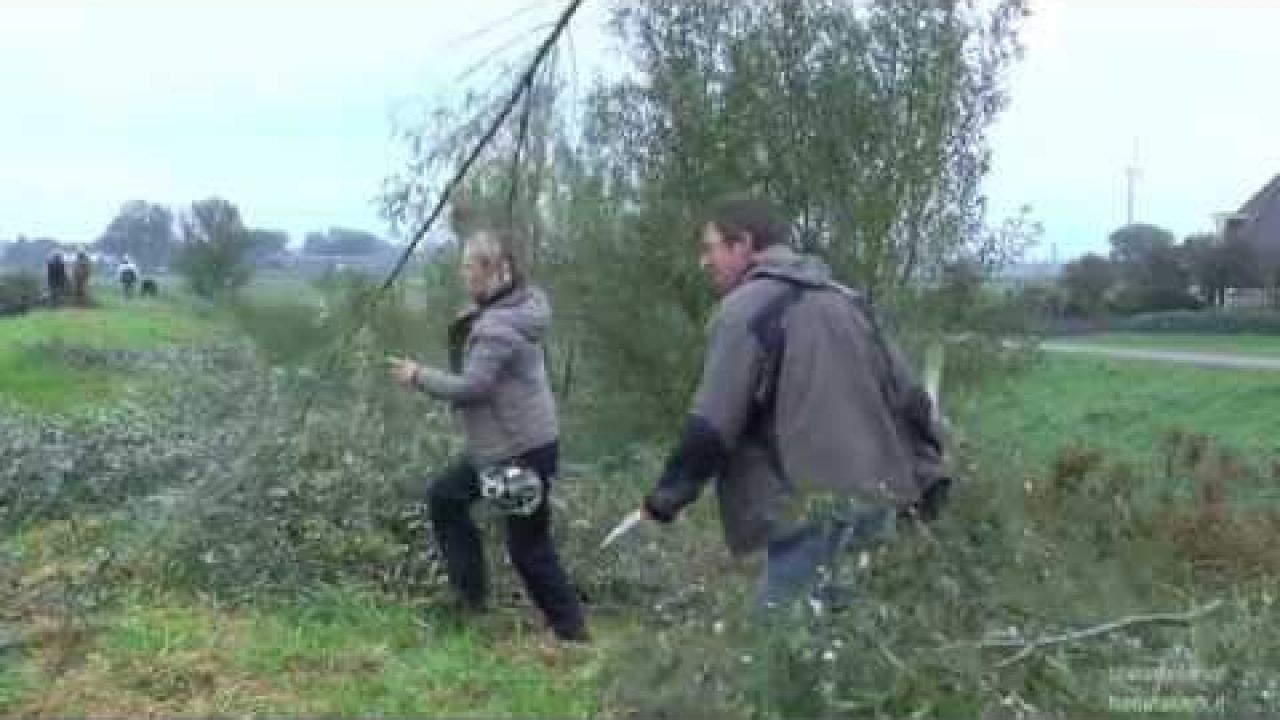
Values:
[(767, 325), (902, 402), (458, 332), (859, 301)]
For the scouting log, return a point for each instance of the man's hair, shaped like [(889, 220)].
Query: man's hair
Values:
[(740, 214)]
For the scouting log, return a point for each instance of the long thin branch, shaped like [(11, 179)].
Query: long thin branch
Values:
[(370, 301), (522, 136), (481, 32), (1109, 627), (522, 86), (475, 67)]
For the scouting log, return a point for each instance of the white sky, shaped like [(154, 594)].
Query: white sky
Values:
[(1192, 82), (284, 106)]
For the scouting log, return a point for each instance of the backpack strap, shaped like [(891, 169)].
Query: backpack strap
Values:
[(769, 332), (889, 387), (767, 328)]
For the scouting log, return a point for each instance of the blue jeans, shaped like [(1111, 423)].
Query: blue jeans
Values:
[(806, 560)]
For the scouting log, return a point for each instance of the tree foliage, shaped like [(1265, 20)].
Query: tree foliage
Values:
[(866, 123), (267, 245), (1151, 270), (144, 231), (1087, 282), (28, 253), (343, 241), (1216, 264), (216, 248)]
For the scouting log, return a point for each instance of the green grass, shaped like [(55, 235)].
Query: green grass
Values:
[(342, 653), (336, 651), (279, 287), (1266, 345), (1126, 407), (269, 286), (29, 379), (352, 653), (1113, 547), (14, 680)]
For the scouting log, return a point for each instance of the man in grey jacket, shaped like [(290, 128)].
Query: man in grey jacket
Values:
[(812, 424), (498, 389)]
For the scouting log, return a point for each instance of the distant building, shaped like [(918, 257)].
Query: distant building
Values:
[(1258, 223)]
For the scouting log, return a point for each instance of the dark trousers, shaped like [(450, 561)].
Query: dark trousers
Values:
[(528, 543)]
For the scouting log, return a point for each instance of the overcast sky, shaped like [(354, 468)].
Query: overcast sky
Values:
[(1192, 82), (285, 107)]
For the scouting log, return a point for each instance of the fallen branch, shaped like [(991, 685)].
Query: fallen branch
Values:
[(1152, 619)]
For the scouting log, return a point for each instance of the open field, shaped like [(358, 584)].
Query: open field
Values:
[(34, 375), (1127, 406), (343, 649)]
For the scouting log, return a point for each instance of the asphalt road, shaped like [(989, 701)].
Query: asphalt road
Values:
[(1182, 357)]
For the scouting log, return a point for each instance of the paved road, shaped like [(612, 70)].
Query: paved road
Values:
[(1184, 357)]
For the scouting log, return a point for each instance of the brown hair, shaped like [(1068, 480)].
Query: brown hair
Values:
[(741, 214)]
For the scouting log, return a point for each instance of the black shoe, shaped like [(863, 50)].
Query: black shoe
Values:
[(466, 608), (576, 636)]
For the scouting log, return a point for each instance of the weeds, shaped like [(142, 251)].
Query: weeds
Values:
[(204, 550)]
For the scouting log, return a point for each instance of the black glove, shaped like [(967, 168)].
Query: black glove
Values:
[(699, 455), (662, 506)]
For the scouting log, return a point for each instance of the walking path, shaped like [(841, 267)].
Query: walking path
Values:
[(1184, 357)]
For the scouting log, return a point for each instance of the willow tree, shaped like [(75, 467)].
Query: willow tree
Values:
[(866, 122)]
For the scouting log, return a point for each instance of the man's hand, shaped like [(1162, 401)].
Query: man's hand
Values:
[(404, 370), (657, 507)]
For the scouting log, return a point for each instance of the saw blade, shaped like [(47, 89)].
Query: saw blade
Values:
[(632, 519), (933, 374)]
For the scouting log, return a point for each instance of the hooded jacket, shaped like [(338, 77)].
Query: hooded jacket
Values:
[(832, 428), (498, 386)]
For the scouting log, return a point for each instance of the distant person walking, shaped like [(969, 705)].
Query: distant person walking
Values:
[(80, 272), (57, 279), (128, 276)]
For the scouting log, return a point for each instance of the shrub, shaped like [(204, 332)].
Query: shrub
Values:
[(106, 456), (227, 490), (942, 612), (18, 292)]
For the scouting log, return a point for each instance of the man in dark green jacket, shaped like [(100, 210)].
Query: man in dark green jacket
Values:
[(814, 427)]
